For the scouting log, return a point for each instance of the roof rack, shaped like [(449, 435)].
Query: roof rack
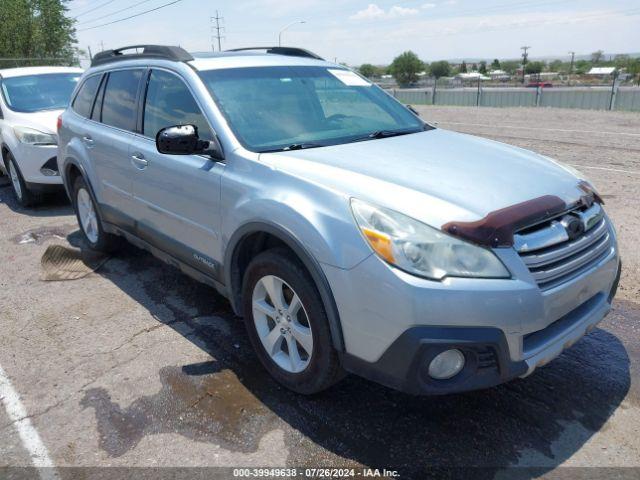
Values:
[(290, 51), (176, 54)]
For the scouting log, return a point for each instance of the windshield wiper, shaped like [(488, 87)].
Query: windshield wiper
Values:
[(294, 146), (385, 134)]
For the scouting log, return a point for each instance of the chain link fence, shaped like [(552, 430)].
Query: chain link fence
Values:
[(594, 98)]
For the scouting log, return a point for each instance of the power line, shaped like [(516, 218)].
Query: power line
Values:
[(217, 29), (95, 8), (131, 16), (112, 13)]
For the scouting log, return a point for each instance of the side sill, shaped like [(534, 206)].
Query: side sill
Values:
[(167, 258)]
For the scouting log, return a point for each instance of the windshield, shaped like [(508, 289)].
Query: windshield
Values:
[(275, 108), (33, 93)]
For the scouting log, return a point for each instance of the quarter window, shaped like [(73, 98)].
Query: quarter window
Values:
[(169, 102), (119, 104), (97, 107), (84, 99)]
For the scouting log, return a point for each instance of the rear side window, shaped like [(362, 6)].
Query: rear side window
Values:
[(119, 104), (84, 100), (169, 102)]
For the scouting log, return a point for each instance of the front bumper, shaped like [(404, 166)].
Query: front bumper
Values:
[(404, 365), (394, 324), (31, 159)]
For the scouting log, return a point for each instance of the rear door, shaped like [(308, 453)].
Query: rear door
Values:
[(177, 197), (110, 132)]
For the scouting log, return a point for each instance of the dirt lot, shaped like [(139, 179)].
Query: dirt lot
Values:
[(137, 365)]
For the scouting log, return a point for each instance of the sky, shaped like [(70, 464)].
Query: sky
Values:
[(370, 31)]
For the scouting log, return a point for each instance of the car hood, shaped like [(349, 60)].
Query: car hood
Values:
[(44, 121), (435, 176)]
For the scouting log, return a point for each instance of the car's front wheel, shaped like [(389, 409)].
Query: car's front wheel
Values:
[(287, 323), (23, 195), (89, 219)]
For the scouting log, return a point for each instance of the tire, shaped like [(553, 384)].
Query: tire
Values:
[(24, 196), (89, 219), (316, 370)]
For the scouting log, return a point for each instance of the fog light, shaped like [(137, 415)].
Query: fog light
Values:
[(446, 364), (47, 172)]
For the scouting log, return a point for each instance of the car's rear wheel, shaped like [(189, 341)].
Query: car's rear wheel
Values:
[(287, 323), (23, 195), (89, 219)]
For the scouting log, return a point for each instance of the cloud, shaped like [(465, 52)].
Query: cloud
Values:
[(397, 11), (374, 12), (427, 6)]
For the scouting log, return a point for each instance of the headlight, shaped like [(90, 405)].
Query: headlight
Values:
[(34, 137), (420, 249)]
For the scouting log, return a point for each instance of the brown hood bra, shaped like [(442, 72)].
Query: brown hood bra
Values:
[(498, 227)]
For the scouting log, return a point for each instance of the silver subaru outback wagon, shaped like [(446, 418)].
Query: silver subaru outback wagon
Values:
[(351, 235)]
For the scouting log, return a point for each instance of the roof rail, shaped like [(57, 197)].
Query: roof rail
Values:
[(176, 54), (290, 51)]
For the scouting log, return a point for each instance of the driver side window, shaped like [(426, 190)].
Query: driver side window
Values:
[(169, 102)]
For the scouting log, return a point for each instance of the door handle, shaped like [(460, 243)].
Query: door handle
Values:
[(139, 161), (88, 140)]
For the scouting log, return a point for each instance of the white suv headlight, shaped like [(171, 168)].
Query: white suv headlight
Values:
[(423, 250), (32, 136)]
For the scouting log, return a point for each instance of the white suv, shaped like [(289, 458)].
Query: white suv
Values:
[(31, 100)]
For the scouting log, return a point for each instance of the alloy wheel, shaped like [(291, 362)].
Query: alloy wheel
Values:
[(15, 180), (87, 215), (282, 324)]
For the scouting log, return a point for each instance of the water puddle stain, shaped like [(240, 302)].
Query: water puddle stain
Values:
[(214, 408), (41, 234)]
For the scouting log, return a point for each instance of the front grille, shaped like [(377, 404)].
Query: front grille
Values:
[(553, 258)]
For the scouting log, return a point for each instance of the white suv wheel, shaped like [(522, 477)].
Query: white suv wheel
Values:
[(15, 180)]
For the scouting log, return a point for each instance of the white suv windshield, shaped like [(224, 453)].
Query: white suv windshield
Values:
[(33, 93), (275, 108)]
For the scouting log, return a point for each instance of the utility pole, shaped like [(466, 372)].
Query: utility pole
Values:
[(573, 56), (90, 54), (217, 28), (101, 46), (525, 56)]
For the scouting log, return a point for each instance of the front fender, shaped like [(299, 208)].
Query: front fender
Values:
[(315, 216)]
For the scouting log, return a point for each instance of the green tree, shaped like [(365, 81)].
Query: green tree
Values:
[(440, 69), (463, 67), (581, 66), (510, 66), (495, 65), (36, 28), (367, 70), (534, 68), (596, 57), (621, 61), (405, 68), (483, 68), (556, 66)]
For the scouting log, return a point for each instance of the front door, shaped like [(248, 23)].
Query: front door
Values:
[(177, 198)]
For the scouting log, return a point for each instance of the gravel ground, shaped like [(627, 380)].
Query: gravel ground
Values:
[(137, 365)]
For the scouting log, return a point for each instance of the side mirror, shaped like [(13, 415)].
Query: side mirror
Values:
[(184, 140)]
